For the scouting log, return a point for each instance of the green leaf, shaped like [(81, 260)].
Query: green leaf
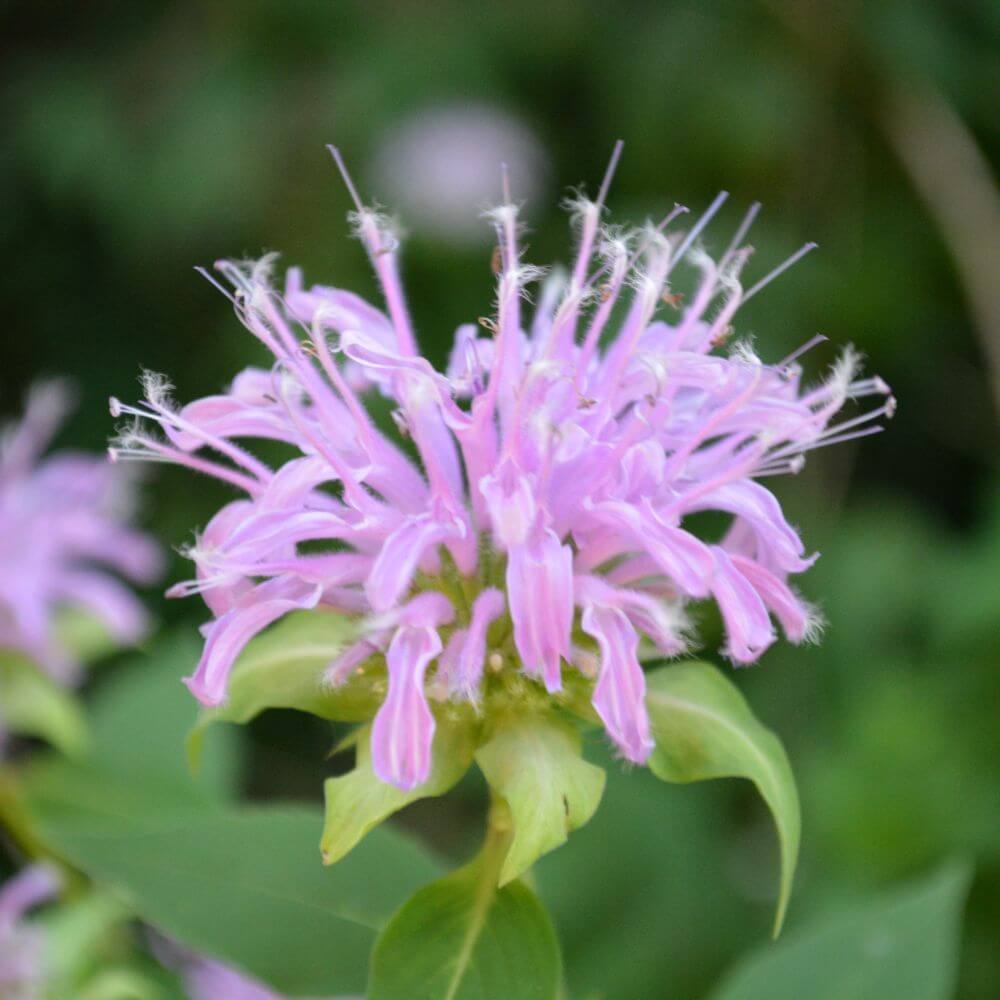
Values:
[(244, 886), (462, 938), (134, 770), (145, 705), (84, 795), (704, 728), (534, 764), (358, 801), (903, 943), (33, 704), (283, 668)]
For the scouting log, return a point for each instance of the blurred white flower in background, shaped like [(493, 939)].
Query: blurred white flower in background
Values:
[(439, 167)]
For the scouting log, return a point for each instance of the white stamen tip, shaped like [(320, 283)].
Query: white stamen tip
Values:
[(115, 406)]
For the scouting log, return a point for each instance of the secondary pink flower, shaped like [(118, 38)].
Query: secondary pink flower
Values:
[(64, 539), (543, 525), (22, 946), (206, 978), (438, 165)]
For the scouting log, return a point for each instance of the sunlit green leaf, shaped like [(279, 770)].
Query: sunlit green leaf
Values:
[(462, 938), (534, 763), (704, 728), (900, 944), (358, 801)]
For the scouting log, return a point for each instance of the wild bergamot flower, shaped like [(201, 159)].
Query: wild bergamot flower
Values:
[(65, 541), (521, 536)]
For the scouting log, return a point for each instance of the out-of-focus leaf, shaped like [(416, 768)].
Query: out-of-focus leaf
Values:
[(358, 801), (462, 938), (704, 728), (80, 935), (534, 764), (283, 668), (904, 731), (134, 770), (246, 886), (640, 895), (901, 944), (33, 704), (85, 795), (141, 715), (125, 983)]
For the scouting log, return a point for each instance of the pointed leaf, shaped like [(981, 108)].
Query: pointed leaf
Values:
[(77, 934), (462, 938), (33, 704), (358, 801), (145, 705), (284, 667), (244, 886), (903, 943), (704, 728), (534, 763)]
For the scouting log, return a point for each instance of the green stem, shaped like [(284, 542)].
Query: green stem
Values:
[(499, 834)]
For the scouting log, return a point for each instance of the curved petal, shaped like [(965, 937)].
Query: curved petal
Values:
[(403, 730), (759, 509), (511, 503), (226, 636), (799, 621), (540, 595), (399, 556), (619, 697), (748, 626)]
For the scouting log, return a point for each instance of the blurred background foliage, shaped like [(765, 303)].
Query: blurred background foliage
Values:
[(144, 138)]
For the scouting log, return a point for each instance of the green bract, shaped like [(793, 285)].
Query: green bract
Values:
[(465, 938), (527, 745), (704, 729)]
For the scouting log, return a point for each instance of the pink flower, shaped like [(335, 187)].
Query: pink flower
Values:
[(64, 539), (206, 978), (543, 527), (438, 164), (22, 946)]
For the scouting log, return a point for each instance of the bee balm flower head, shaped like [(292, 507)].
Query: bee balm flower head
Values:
[(523, 533)]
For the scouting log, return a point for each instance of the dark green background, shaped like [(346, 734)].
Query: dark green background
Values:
[(142, 138)]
